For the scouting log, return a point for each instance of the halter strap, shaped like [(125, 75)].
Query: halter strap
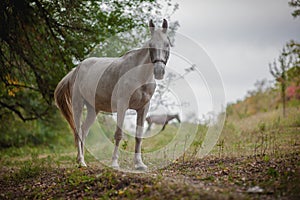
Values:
[(159, 60)]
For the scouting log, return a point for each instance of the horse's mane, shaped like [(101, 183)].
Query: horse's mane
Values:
[(146, 45)]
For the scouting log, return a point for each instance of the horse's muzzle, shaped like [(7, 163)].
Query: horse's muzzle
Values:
[(159, 70)]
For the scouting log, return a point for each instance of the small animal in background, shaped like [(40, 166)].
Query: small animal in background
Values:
[(161, 119)]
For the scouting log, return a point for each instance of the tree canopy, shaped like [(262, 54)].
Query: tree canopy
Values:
[(296, 5), (41, 40)]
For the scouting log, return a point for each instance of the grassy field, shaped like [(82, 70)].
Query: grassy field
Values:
[(256, 157)]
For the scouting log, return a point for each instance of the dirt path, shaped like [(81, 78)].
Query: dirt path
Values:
[(209, 178)]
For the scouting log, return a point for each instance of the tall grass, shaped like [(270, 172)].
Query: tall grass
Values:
[(261, 134)]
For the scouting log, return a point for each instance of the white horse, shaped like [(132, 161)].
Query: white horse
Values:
[(161, 119), (114, 85)]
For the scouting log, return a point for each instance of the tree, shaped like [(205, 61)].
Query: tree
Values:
[(42, 40), (289, 71), (293, 74), (295, 4), (280, 74), (293, 50)]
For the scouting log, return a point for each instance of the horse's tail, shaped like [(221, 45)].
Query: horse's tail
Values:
[(63, 98)]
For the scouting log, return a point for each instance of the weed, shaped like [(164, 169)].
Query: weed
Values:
[(273, 172), (220, 146), (262, 126), (266, 158), (125, 144), (262, 141), (208, 178), (28, 170), (77, 178)]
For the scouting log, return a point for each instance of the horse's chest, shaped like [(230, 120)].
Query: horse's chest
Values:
[(141, 96)]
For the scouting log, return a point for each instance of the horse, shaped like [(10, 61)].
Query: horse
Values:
[(161, 119), (114, 85)]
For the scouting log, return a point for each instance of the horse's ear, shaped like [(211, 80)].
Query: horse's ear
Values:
[(151, 26), (165, 25)]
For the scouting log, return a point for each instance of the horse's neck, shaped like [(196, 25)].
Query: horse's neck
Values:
[(140, 61), (137, 57)]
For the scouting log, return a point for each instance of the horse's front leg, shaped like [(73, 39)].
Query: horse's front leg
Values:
[(141, 114), (118, 136), (164, 126)]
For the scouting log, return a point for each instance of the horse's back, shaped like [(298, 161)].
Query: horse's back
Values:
[(92, 69), (158, 119), (92, 72), (92, 63)]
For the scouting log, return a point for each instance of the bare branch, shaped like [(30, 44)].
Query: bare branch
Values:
[(17, 112)]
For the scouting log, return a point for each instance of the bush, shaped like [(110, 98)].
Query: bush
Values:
[(16, 133)]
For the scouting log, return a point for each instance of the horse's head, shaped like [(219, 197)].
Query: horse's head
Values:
[(159, 48)]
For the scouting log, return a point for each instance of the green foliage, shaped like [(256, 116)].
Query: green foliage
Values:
[(288, 73), (295, 4), (280, 74), (294, 75), (16, 133), (42, 40), (273, 172), (124, 144), (77, 178), (28, 170)]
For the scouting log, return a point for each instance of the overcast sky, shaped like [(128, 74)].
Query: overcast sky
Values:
[(241, 37)]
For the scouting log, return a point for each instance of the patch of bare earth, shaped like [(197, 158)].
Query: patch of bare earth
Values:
[(209, 178)]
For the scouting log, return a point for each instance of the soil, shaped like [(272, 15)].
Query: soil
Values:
[(254, 177)]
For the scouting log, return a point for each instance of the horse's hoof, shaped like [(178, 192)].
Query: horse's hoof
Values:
[(141, 167), (82, 165), (115, 165)]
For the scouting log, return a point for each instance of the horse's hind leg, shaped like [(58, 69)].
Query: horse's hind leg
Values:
[(89, 120), (149, 126), (77, 105)]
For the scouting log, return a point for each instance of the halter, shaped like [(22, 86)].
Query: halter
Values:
[(159, 60)]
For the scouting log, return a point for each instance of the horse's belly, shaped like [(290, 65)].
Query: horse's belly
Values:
[(104, 103)]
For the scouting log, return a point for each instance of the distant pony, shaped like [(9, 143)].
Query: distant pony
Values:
[(161, 119)]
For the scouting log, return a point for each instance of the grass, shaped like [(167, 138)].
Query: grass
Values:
[(209, 178), (264, 133), (261, 150)]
